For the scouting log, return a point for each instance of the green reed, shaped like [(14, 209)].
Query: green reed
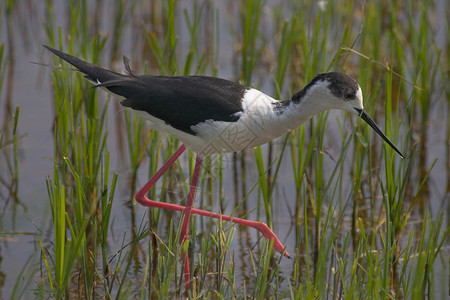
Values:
[(9, 141), (80, 192), (380, 256)]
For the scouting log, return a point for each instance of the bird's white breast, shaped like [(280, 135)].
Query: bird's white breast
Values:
[(256, 126)]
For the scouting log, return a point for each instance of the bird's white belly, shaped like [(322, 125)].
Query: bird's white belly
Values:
[(258, 124), (222, 137), (216, 136)]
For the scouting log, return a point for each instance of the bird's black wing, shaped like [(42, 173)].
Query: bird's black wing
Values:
[(180, 101), (185, 101)]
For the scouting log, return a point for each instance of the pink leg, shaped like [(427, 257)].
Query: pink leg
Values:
[(143, 200), (141, 197), (190, 200), (187, 214), (260, 226)]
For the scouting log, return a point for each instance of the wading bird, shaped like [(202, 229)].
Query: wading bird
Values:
[(211, 115)]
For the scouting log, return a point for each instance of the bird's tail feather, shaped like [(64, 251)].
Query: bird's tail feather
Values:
[(95, 74)]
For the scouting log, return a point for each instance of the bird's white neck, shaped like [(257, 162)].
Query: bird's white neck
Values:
[(303, 106), (268, 118)]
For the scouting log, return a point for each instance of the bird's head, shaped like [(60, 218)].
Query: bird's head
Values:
[(336, 90)]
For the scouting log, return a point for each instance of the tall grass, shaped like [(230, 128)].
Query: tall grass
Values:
[(352, 231), (9, 131)]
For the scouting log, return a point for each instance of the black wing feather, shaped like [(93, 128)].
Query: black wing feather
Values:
[(180, 101), (184, 101)]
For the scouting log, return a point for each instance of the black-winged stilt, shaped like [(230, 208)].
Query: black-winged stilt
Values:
[(212, 115)]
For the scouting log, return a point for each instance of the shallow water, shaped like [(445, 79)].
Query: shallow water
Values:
[(28, 85)]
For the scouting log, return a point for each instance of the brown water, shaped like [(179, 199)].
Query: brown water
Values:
[(29, 86)]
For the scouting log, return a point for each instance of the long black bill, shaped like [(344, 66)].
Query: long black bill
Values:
[(377, 129)]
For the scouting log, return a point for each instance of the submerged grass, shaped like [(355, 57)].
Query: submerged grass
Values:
[(351, 229)]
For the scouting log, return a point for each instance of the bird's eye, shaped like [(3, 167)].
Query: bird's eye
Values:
[(349, 96)]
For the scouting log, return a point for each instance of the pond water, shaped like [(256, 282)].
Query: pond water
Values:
[(26, 215)]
